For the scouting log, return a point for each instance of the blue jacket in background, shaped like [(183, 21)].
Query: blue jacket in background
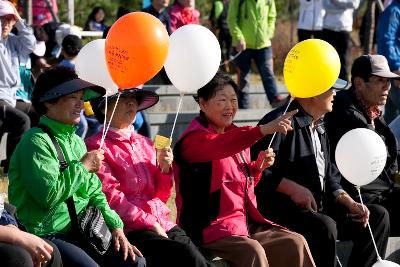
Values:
[(388, 35)]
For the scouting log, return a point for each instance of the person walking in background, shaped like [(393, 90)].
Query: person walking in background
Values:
[(337, 27), (13, 114), (252, 26), (183, 12), (389, 46), (311, 15), (95, 20), (219, 25)]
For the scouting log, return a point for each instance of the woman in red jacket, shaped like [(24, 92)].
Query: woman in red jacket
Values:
[(215, 181)]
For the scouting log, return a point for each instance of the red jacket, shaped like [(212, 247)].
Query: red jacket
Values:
[(211, 181)]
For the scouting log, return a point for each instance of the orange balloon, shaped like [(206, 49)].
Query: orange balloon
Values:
[(136, 49)]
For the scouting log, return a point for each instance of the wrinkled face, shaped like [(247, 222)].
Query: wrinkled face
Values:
[(220, 110), (67, 108), (99, 15), (323, 103), (375, 91), (125, 111), (7, 23)]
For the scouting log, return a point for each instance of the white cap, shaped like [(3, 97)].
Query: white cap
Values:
[(6, 8), (40, 48)]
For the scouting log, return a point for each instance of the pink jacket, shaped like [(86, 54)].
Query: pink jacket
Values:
[(133, 184), (199, 144), (180, 16), (40, 12)]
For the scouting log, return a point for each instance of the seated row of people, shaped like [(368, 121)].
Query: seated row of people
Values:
[(224, 194)]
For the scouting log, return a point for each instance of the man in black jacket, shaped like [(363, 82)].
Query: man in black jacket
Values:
[(302, 189), (360, 107)]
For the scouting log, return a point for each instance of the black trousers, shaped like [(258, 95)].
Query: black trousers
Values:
[(16, 256), (341, 42), (390, 200), (307, 34), (14, 121), (77, 254), (321, 232), (178, 250)]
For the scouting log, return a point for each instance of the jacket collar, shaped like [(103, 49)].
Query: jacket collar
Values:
[(114, 134), (57, 127), (302, 118), (355, 104)]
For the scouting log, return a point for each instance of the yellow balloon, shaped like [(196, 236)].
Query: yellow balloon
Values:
[(311, 68), (88, 109)]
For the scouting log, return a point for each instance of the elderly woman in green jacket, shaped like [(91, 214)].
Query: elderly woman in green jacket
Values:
[(39, 189)]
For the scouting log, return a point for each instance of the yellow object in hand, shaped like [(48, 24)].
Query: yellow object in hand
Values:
[(161, 142), (88, 108)]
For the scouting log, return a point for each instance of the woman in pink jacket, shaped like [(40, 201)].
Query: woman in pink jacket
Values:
[(215, 181), (137, 186)]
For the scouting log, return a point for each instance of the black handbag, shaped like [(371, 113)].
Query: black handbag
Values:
[(89, 225)]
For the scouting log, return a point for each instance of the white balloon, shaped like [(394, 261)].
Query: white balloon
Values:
[(385, 263), (193, 57), (360, 156), (91, 66)]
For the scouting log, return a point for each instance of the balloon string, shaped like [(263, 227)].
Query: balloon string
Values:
[(105, 119), (176, 116), (109, 123), (273, 136), (231, 58), (369, 227), (338, 261)]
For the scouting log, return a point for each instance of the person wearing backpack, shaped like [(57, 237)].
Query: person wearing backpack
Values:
[(219, 25), (252, 26)]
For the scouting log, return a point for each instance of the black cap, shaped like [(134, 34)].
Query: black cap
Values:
[(146, 98), (91, 91)]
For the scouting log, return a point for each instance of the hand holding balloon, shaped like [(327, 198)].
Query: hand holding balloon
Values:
[(282, 124), (265, 159)]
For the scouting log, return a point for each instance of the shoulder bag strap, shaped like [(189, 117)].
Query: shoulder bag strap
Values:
[(63, 166)]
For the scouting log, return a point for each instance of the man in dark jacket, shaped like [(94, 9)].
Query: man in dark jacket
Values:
[(360, 107), (302, 189)]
